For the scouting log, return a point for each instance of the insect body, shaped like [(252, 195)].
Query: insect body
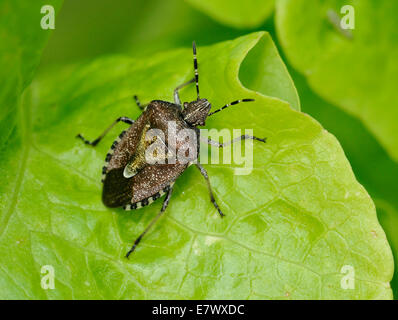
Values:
[(130, 180)]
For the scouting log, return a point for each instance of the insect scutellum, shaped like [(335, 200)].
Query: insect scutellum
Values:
[(129, 181)]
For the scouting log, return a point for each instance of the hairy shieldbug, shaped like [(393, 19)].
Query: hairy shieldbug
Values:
[(129, 181)]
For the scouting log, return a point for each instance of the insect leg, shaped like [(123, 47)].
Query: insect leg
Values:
[(176, 95), (164, 206), (212, 199), (95, 142), (141, 106), (243, 137)]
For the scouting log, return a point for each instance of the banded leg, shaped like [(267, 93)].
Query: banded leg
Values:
[(195, 67), (164, 206), (242, 137), (141, 106), (95, 142), (212, 199), (176, 95), (195, 79)]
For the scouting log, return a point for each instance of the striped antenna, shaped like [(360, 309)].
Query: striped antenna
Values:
[(230, 104), (195, 65)]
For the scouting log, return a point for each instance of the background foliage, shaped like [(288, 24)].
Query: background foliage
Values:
[(126, 39)]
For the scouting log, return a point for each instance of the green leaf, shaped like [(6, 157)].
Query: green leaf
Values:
[(290, 226), (22, 40), (388, 216), (371, 164), (358, 74), (235, 13)]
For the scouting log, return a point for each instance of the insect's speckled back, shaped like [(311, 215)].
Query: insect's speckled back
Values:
[(118, 190)]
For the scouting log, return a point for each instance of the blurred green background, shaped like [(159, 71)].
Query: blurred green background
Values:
[(92, 28)]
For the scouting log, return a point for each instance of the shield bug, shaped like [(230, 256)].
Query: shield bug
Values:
[(129, 179)]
